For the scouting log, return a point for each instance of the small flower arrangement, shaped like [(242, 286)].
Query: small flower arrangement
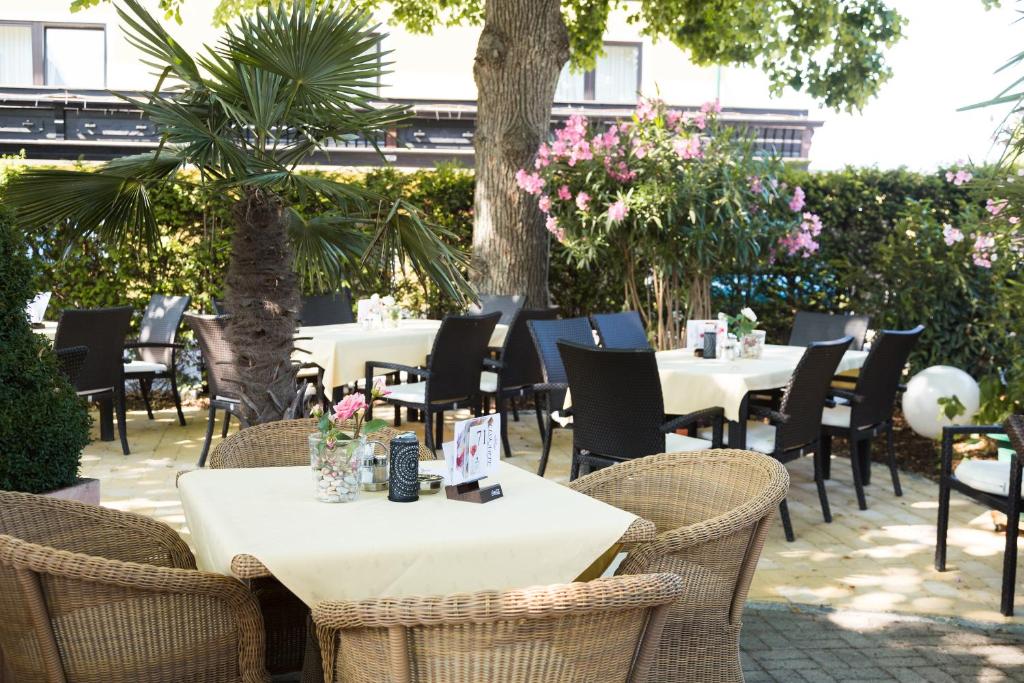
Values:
[(352, 407), (743, 323)]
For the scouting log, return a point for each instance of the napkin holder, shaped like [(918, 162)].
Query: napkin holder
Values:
[(472, 492)]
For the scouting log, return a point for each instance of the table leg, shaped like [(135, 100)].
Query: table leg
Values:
[(106, 406), (738, 429)]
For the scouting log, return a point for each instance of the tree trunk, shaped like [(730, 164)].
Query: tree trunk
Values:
[(263, 297), (699, 298), (522, 49)]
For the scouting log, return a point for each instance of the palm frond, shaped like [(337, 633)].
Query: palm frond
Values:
[(328, 248)]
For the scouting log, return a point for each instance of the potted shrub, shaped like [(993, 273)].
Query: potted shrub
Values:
[(43, 424)]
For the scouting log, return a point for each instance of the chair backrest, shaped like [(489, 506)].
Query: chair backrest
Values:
[(220, 306), (71, 360), (521, 364), (604, 423), (505, 304), (327, 309), (160, 324), (102, 331), (282, 444), (879, 378), (623, 330), (804, 398), (546, 335), (218, 356), (457, 357), (602, 630), (809, 327)]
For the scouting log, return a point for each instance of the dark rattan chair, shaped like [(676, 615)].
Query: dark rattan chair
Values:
[(866, 411), (327, 309), (156, 348), (516, 370), (221, 373), (102, 331), (220, 306), (505, 304), (551, 391), (1010, 504), (810, 327), (71, 360), (451, 378), (607, 429), (623, 330)]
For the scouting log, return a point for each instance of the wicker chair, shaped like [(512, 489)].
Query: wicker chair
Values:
[(551, 391), (102, 331), (71, 360), (517, 369), (809, 327), (505, 304), (156, 348), (712, 510), (327, 309), (604, 630), (605, 428), (92, 594), (866, 411), (623, 330), (451, 378), (1010, 504), (221, 373)]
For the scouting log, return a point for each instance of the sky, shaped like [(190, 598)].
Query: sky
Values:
[(947, 60)]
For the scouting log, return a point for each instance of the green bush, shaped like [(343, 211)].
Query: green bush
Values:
[(43, 424)]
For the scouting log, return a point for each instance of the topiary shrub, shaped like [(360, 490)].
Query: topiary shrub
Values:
[(43, 423)]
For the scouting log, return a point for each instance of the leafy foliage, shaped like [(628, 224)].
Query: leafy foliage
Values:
[(43, 424)]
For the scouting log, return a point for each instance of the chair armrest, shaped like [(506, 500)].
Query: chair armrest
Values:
[(901, 388), (774, 416), (946, 450), (716, 416), (845, 379), (553, 386), (850, 396), (492, 364), (152, 345), (371, 364)]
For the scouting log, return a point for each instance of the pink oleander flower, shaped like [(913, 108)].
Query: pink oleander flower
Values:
[(580, 152), (801, 239), (543, 157), (984, 250), (552, 225), (646, 110), (617, 211), (811, 224), (349, 406), (559, 148), (582, 201), (798, 200), (611, 137), (951, 235), (1013, 220), (699, 119), (563, 193), (995, 206), (755, 184), (544, 203), (688, 147), (672, 117), (529, 182), (960, 177), (713, 106)]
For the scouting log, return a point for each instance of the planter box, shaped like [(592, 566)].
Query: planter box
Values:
[(84, 491)]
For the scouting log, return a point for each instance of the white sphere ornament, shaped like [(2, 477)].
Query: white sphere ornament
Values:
[(921, 399)]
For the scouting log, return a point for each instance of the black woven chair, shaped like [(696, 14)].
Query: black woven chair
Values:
[(866, 411), (101, 379), (157, 349), (605, 428), (810, 327), (70, 361), (221, 374), (505, 304), (451, 377), (549, 395), (220, 306), (1010, 504), (794, 429), (516, 370), (327, 309), (623, 330)]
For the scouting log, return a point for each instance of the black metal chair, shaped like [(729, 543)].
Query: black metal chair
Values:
[(156, 348), (516, 370), (101, 379), (505, 304), (866, 411), (1010, 504), (71, 360), (221, 374), (607, 429), (551, 391), (794, 429), (327, 309), (810, 327), (623, 330), (451, 377)]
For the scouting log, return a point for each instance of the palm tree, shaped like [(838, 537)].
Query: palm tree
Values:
[(239, 118)]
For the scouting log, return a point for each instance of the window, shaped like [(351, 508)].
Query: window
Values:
[(614, 79), (38, 53)]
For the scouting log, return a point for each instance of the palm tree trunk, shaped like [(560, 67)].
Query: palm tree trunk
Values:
[(263, 297), (522, 49)]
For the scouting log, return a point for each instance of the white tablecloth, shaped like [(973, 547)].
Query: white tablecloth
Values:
[(539, 533), (342, 350), (48, 330), (690, 383)]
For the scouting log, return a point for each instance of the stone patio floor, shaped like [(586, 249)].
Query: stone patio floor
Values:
[(873, 561)]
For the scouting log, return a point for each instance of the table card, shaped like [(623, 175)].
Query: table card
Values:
[(695, 332), (473, 455)]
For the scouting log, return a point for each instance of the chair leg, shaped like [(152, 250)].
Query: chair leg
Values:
[(515, 409), (858, 485), (574, 473), (546, 447), (865, 461), (893, 470), (1010, 555), (227, 424), (787, 525), (398, 415), (144, 386), (540, 414), (943, 524), (428, 430), (826, 512), (826, 455), (438, 428), (211, 421), (105, 404), (177, 396), (499, 403), (121, 408)]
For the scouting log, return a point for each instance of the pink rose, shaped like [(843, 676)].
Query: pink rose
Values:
[(349, 406)]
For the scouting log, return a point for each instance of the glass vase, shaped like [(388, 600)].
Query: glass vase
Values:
[(752, 345), (336, 468)]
